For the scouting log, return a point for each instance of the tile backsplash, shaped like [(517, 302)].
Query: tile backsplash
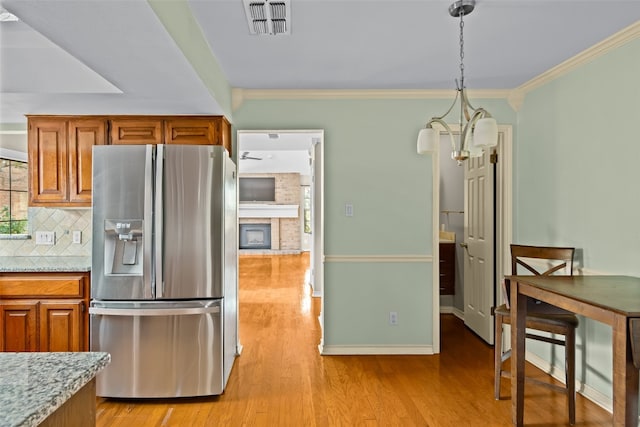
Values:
[(61, 221)]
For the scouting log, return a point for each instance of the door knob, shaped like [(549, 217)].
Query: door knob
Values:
[(463, 245)]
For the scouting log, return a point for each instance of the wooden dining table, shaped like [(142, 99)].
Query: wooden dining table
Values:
[(613, 300)]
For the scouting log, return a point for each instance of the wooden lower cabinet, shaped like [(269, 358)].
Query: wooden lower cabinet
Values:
[(19, 320), (44, 311), (61, 325), (447, 268)]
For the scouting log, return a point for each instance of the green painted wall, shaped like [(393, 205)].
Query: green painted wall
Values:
[(370, 161), (13, 126), (576, 181)]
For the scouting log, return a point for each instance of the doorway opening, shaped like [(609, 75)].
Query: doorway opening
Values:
[(451, 213), (294, 158)]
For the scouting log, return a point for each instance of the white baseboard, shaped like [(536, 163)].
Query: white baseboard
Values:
[(349, 350)]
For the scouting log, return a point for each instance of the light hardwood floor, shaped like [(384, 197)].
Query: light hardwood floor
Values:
[(281, 380)]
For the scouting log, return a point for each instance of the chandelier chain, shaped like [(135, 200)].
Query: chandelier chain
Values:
[(461, 49), (462, 102)]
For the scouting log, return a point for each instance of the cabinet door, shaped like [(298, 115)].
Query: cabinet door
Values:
[(83, 135), (136, 131), (47, 139), (447, 268), (225, 135), (18, 326), (200, 131), (61, 326)]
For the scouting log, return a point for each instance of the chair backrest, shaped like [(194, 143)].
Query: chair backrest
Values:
[(557, 259)]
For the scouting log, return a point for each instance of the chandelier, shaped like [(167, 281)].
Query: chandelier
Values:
[(478, 130)]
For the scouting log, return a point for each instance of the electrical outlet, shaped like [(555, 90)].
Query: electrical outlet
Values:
[(45, 237), (393, 317), (77, 236), (348, 209)]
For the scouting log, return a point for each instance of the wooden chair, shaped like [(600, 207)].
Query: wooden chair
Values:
[(540, 317)]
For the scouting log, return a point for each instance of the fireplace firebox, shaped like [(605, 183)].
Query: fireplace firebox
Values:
[(255, 236)]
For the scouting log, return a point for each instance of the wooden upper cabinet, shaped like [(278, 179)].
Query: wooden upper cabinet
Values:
[(197, 130), (60, 148), (136, 131), (60, 153), (47, 140), (190, 131), (211, 130), (83, 135), (225, 135)]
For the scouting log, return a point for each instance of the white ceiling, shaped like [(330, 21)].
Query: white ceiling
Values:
[(116, 57), (279, 151)]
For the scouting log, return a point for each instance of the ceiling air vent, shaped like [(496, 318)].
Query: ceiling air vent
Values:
[(268, 17)]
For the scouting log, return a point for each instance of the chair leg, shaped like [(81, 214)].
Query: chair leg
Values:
[(570, 367), (497, 355)]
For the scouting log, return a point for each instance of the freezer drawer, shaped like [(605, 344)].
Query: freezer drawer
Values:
[(159, 349)]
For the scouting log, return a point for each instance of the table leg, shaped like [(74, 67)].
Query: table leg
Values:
[(518, 329), (625, 376)]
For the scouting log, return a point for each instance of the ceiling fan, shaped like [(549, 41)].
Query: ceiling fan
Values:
[(245, 156)]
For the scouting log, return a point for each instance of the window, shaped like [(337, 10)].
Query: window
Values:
[(13, 196), (307, 209)]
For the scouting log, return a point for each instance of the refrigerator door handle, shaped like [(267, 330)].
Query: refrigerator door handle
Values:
[(148, 224), (153, 311), (159, 222)]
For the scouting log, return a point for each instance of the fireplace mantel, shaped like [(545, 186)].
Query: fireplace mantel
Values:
[(263, 210)]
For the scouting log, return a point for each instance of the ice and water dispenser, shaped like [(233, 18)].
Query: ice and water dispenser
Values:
[(123, 247)]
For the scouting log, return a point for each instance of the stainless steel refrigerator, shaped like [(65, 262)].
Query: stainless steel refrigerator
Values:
[(164, 269)]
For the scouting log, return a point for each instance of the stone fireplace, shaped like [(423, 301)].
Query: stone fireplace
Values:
[(272, 223), (282, 215)]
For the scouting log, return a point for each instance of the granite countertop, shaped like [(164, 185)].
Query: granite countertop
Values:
[(34, 385), (447, 236), (32, 264)]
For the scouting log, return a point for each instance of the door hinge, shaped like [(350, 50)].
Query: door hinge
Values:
[(493, 158)]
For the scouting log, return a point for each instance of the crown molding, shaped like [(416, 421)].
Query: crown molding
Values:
[(515, 96), (622, 37)]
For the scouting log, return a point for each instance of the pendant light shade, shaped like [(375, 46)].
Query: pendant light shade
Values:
[(485, 134), (428, 141)]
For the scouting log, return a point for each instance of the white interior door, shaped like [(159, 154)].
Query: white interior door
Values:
[(478, 246)]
